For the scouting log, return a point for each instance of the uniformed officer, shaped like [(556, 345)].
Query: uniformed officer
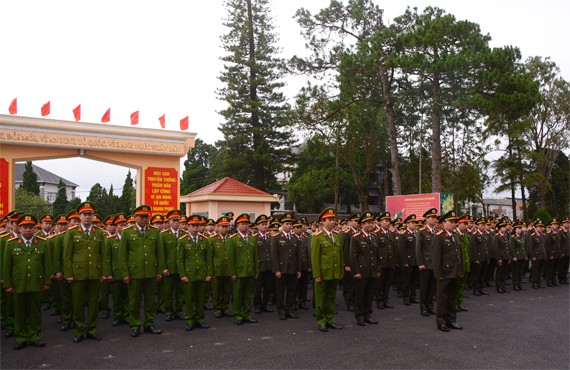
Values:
[(564, 251), (365, 266), (327, 262), (265, 282), (243, 264), (501, 254), (299, 227), (479, 255), (517, 251), (425, 262), (386, 245), (347, 280), (142, 262), (407, 254), (464, 239), (447, 269), (195, 269), (553, 252), (7, 304), (537, 253), (26, 273), (286, 263), (104, 308), (173, 287), (221, 280), (118, 289)]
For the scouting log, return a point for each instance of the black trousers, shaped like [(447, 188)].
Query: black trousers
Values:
[(348, 287), (285, 295), (563, 268), (302, 287), (536, 270), (383, 288), (446, 295), (263, 288), (364, 290), (427, 289), (409, 282)]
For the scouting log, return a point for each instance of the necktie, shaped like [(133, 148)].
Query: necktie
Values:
[(245, 238), (176, 234), (369, 239), (87, 233), (142, 231), (28, 243)]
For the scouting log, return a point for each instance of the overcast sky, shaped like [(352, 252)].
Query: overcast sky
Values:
[(162, 57)]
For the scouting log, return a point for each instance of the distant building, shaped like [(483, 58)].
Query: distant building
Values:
[(48, 182), (502, 207)]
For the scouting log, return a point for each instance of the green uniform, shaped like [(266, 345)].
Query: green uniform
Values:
[(447, 269), (194, 264), (464, 240), (119, 291), (142, 261), (517, 251), (221, 279), (173, 287), (327, 262), (27, 270), (7, 301), (85, 260), (64, 287), (242, 263), (365, 261)]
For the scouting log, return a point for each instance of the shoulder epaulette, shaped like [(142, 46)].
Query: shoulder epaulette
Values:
[(182, 237), (97, 227), (153, 226), (423, 228), (13, 238), (41, 237), (52, 235), (439, 232), (3, 234), (128, 227), (111, 236), (335, 232), (72, 227), (534, 234), (231, 236), (317, 233), (358, 233), (164, 231)]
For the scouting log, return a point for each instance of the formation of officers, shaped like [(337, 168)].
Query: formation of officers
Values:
[(72, 265)]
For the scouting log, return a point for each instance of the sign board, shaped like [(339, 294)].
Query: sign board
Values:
[(4, 187), (405, 205), (161, 189)]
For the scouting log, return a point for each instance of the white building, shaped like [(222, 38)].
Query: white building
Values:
[(48, 182)]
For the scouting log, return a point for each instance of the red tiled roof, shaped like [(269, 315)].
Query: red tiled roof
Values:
[(227, 185)]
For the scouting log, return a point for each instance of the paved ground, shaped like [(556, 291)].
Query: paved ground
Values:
[(523, 330)]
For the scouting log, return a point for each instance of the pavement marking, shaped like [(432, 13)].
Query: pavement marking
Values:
[(264, 338), (218, 344), (167, 350), (43, 366), (58, 346), (397, 319), (108, 357), (309, 331)]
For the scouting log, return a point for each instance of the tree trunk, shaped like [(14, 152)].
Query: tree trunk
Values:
[(337, 175), (394, 156), (436, 132), (513, 183)]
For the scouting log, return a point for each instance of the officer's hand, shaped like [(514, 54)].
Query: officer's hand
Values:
[(52, 276), (526, 259), (515, 259), (58, 276), (10, 290), (406, 266), (500, 262), (159, 277), (234, 277), (45, 287), (101, 279), (533, 259), (166, 272), (278, 274), (256, 275), (440, 278), (422, 267), (318, 280), (378, 274), (308, 270), (477, 262), (347, 269), (341, 277), (508, 262), (110, 278), (127, 280), (298, 274), (69, 280), (208, 278), (358, 276), (551, 258), (184, 279)]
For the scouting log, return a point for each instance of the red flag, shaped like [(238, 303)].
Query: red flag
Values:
[(161, 119), (13, 109), (107, 116), (184, 123), (45, 109), (77, 113), (135, 118)]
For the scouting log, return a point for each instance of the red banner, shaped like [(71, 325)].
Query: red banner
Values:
[(4, 187), (405, 205), (161, 189)]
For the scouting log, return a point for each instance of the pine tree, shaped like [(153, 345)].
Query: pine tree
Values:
[(128, 197), (256, 144), (60, 203), (30, 180)]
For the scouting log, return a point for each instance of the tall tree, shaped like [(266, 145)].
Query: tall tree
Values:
[(128, 196), (27, 202), (30, 179), (197, 167), (60, 203), (256, 144)]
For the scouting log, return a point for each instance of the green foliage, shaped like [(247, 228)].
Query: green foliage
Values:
[(558, 197), (105, 203), (256, 144), (197, 167), (27, 202), (73, 204), (30, 180), (543, 214), (128, 196), (60, 203)]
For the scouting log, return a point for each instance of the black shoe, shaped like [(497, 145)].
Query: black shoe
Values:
[(202, 325), (282, 317), (482, 292), (334, 326), (463, 309), (218, 315), (477, 293), (179, 317), (386, 305), (291, 315), (506, 291), (78, 339), (349, 307), (267, 309), (168, 317), (9, 333), (53, 312), (380, 306), (65, 327), (151, 329), (105, 315), (20, 345), (425, 313), (500, 291), (521, 288), (549, 285), (94, 337), (455, 326), (407, 302), (443, 328), (135, 332), (302, 307), (159, 311), (489, 285), (516, 288), (251, 321), (239, 322), (3, 325), (371, 321), (189, 327), (431, 311), (323, 328), (414, 301), (534, 286), (38, 343), (257, 310), (360, 323), (116, 322)]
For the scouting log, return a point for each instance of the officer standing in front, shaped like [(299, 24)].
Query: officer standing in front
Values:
[(425, 264), (328, 265), (447, 269), (407, 254), (265, 282), (142, 262)]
